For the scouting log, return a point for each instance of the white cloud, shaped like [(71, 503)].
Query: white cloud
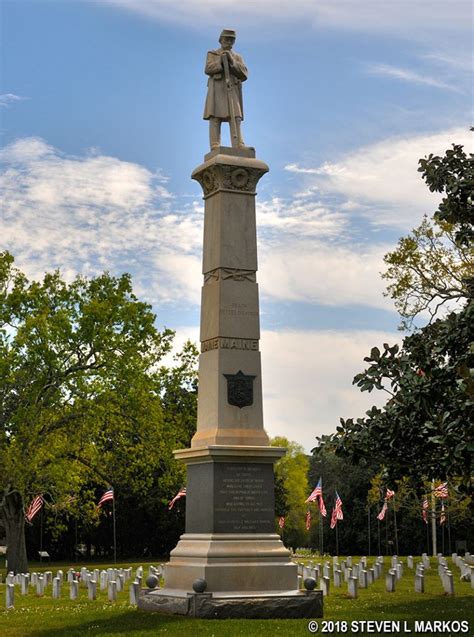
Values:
[(7, 99), (93, 213), (315, 272), (307, 380), (382, 178), (417, 19), (408, 75)]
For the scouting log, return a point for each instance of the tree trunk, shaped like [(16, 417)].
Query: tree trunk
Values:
[(13, 519)]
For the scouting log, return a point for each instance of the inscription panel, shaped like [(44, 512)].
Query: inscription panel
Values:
[(244, 500), (230, 343)]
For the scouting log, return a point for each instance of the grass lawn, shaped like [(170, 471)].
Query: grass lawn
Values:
[(47, 617)]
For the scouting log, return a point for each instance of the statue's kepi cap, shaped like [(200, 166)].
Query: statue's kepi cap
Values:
[(227, 33)]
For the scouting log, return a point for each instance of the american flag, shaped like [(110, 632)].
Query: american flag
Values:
[(338, 507), (424, 511), (333, 518), (34, 507), (442, 490), (442, 518), (281, 522), (383, 511), (108, 495), (181, 494), (308, 519), (317, 494), (389, 494)]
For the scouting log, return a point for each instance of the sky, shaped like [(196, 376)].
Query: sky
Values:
[(101, 121)]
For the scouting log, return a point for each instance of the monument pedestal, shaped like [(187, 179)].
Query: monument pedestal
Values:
[(230, 540)]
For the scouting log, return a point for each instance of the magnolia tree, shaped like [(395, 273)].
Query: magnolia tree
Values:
[(424, 431), (81, 393)]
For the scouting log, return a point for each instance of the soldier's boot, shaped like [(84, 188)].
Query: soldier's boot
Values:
[(214, 132), (240, 141)]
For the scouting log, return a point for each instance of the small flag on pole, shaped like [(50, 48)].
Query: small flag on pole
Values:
[(441, 491), (383, 511), (424, 510), (181, 494), (308, 519), (108, 495), (317, 494), (338, 507), (281, 522), (34, 507), (389, 494), (333, 518)]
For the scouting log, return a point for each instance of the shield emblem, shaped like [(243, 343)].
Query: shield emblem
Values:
[(239, 389)]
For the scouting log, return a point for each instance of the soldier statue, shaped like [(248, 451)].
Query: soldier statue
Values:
[(227, 71)]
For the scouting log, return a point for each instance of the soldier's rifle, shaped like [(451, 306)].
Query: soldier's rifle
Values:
[(230, 101)]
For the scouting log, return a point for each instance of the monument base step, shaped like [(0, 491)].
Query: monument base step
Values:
[(294, 604)]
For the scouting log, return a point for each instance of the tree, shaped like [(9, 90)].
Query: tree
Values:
[(291, 480), (81, 393), (425, 428)]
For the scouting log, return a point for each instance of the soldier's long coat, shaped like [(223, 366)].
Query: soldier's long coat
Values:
[(216, 101)]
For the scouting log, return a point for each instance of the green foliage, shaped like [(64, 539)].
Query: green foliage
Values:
[(428, 270), (82, 396), (452, 174), (425, 429), (292, 489)]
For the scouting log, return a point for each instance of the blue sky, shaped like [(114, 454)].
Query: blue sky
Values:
[(101, 121)]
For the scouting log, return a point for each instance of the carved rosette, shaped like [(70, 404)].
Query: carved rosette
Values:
[(217, 177)]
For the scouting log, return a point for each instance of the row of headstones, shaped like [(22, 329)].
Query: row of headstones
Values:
[(355, 575), (465, 566), (113, 580), (358, 576)]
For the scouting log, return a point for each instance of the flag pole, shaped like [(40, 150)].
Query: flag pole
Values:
[(368, 524), (449, 529), (378, 535), (337, 539), (433, 519), (115, 533), (41, 534), (395, 523)]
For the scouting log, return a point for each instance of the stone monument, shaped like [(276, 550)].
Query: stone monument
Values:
[(230, 540)]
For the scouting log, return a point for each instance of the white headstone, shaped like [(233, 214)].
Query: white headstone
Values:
[(327, 570), (337, 577), (74, 589), (40, 586), (92, 589), (103, 580), (112, 591), (399, 570), (325, 582), (363, 583), (448, 583), (56, 588), (370, 576), (134, 592), (352, 586), (419, 583), (25, 581), (390, 579), (10, 596), (349, 560), (410, 561), (347, 574)]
